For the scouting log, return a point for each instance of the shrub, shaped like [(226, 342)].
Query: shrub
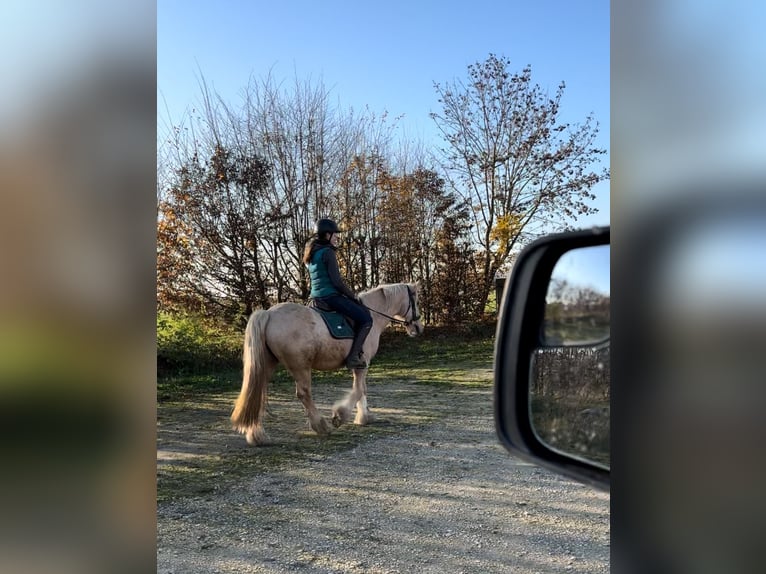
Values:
[(188, 344)]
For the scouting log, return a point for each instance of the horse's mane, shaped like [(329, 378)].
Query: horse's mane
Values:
[(391, 287), (389, 291)]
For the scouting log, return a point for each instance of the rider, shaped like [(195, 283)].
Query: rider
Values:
[(328, 287)]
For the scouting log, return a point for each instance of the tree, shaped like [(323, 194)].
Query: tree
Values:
[(420, 234), (294, 131), (453, 293), (357, 205), (207, 235), (228, 241), (358, 195), (521, 169)]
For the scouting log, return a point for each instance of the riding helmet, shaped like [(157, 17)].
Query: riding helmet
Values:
[(325, 226)]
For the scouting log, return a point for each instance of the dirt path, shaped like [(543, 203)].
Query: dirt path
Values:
[(426, 489)]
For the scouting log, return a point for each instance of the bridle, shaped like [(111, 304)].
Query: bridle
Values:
[(411, 306)]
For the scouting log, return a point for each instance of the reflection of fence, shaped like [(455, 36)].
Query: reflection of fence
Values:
[(568, 372), (570, 399)]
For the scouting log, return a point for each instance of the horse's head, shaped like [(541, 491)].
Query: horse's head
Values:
[(411, 317), (398, 302)]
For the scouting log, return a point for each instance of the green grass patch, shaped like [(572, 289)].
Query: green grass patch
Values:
[(190, 345), (209, 457), (439, 356), (447, 358)]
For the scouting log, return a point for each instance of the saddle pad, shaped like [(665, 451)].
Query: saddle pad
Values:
[(337, 324)]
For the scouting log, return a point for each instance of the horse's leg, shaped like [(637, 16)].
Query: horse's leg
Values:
[(303, 391), (341, 411), (363, 414)]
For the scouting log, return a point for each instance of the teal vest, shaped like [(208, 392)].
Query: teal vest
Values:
[(320, 280)]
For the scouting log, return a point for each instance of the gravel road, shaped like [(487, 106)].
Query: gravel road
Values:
[(441, 496)]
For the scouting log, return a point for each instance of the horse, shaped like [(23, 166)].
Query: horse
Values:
[(296, 336)]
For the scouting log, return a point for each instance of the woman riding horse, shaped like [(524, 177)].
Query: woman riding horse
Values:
[(328, 288)]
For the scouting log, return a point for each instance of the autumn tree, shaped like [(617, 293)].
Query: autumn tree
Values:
[(521, 168), (399, 228), (358, 196), (421, 233), (453, 293), (317, 160), (208, 232), (357, 205)]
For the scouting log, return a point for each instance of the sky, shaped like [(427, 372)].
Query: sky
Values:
[(385, 56), (586, 267)]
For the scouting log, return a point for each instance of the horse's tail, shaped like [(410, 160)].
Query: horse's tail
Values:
[(251, 403)]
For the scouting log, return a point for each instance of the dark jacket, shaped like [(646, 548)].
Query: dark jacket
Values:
[(325, 274)]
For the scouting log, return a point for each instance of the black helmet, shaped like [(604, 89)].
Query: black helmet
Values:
[(325, 226)]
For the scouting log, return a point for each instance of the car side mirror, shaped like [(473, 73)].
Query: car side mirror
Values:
[(552, 376)]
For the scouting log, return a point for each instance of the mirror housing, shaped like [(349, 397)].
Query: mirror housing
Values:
[(519, 334)]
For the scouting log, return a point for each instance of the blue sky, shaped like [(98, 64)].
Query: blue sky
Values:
[(586, 267), (385, 56)]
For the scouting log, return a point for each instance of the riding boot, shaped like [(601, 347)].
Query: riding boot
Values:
[(355, 358)]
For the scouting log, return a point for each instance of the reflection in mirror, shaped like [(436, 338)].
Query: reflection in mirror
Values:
[(570, 400), (577, 302), (570, 380)]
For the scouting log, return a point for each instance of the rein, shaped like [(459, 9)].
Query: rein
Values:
[(410, 306)]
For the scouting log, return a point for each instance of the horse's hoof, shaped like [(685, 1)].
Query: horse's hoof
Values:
[(363, 419), (257, 437), (323, 428), (341, 415)]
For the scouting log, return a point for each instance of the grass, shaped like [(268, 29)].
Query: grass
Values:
[(413, 382), (228, 460), (437, 357), (441, 357)]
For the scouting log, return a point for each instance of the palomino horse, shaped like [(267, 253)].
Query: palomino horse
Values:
[(297, 337)]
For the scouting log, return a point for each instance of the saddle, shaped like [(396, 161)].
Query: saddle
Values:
[(339, 325)]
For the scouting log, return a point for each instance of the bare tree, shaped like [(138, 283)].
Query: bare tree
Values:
[(224, 242), (509, 155)]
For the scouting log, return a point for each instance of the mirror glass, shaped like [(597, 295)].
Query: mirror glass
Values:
[(577, 302), (570, 386)]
